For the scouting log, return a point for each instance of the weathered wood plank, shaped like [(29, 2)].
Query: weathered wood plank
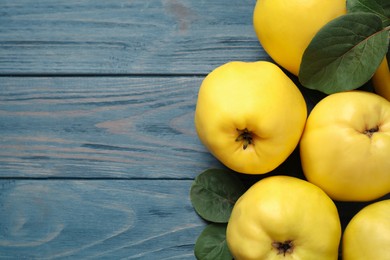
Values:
[(115, 127), (121, 36), (42, 219), (115, 219)]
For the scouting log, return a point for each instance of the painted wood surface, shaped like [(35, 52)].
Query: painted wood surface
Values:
[(125, 36), (100, 127), (98, 149), (97, 144), (99, 219)]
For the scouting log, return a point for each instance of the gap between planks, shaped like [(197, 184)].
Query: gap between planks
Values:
[(97, 178), (114, 75)]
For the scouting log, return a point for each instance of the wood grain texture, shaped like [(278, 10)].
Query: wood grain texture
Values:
[(100, 127), (125, 37), (97, 144), (60, 219)]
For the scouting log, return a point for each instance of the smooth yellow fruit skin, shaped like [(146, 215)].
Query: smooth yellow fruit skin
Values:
[(286, 27), (256, 96), (367, 235), (283, 208), (381, 80), (339, 156)]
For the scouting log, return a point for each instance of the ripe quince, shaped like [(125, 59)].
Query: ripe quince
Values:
[(367, 235), (283, 217), (345, 146), (285, 28), (250, 115), (381, 80)]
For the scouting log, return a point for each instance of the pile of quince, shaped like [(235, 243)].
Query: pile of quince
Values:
[(252, 115)]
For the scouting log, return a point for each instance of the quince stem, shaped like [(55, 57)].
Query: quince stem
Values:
[(245, 136), (284, 247), (370, 132)]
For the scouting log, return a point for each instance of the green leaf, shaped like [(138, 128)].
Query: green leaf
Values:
[(379, 7), (214, 193), (345, 53), (211, 244)]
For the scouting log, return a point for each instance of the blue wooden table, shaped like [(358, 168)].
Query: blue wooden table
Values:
[(97, 143), (98, 149)]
